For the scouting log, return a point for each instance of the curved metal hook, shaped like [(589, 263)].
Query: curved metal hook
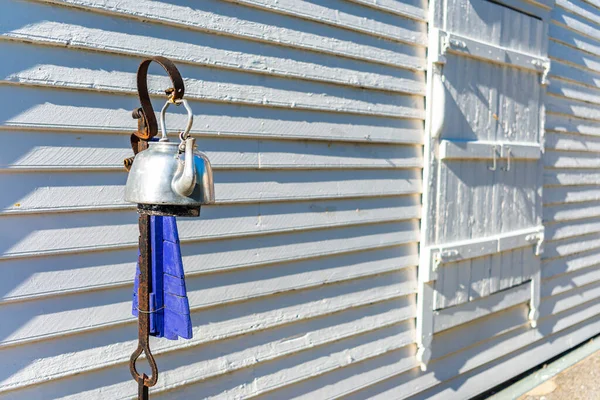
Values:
[(175, 94)]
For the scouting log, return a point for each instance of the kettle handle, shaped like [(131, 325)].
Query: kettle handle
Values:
[(163, 126), (147, 112)]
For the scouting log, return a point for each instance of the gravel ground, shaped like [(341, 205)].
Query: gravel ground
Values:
[(579, 382)]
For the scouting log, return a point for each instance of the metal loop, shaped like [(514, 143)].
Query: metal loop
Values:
[(147, 381), (163, 125)]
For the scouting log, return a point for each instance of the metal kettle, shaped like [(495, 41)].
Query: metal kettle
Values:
[(171, 178)]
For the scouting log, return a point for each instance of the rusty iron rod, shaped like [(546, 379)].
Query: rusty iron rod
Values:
[(144, 289)]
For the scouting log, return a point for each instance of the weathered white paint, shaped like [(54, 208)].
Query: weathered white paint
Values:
[(87, 111), (284, 269), (485, 173), (303, 278), (569, 303), (480, 149)]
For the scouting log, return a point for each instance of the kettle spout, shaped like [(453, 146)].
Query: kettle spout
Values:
[(208, 186), (184, 180)]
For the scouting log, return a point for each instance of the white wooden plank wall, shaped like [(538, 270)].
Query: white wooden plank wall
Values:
[(312, 113), (302, 279), (485, 351), (571, 198)]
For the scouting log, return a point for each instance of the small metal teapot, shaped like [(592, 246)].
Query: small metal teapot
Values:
[(171, 178)]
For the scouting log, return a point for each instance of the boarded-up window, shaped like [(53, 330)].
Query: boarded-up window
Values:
[(483, 230)]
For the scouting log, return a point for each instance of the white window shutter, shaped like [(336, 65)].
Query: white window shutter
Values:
[(482, 234)]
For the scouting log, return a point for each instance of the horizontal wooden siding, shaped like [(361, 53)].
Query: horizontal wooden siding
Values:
[(313, 118)]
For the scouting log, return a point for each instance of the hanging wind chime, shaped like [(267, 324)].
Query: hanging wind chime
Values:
[(166, 179)]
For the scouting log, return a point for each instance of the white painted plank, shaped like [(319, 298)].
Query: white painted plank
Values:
[(580, 8), (416, 11), (496, 272), (64, 110), (483, 51), (573, 245), (569, 212), (480, 278), (73, 354), (484, 246), (312, 156), (570, 263), (461, 314), (337, 14), (561, 32), (571, 177), (218, 289), (461, 290), (342, 382), (572, 107), (353, 382), (564, 74), (310, 365), (593, 3), (567, 300), (480, 149), (71, 69), (446, 285), (565, 123), (572, 142), (574, 91), (575, 23), (210, 15), (44, 234), (563, 230), (462, 184), (575, 67), (568, 282), (491, 326), (570, 194), (55, 316), (43, 192), (44, 276), (220, 51), (219, 255), (86, 271), (265, 379), (248, 381), (33, 150)]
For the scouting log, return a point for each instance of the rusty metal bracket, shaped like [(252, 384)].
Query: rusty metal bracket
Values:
[(147, 129), (146, 113)]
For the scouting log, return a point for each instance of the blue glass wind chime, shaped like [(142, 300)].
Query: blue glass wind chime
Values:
[(166, 179)]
